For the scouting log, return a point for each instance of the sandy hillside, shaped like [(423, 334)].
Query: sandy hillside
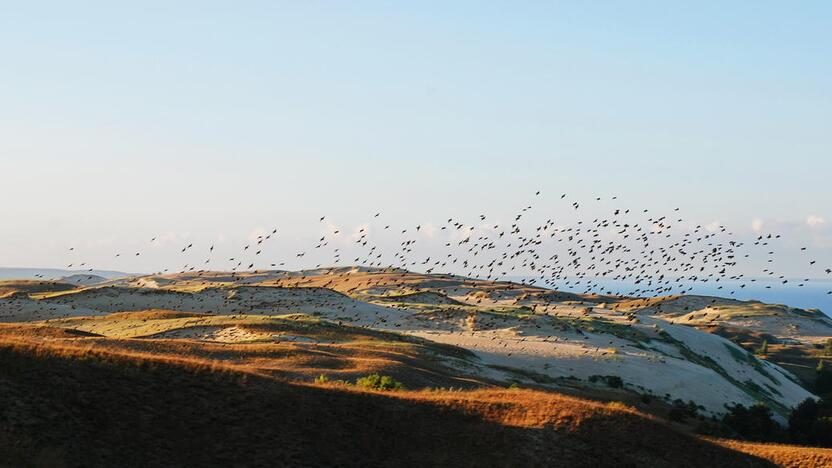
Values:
[(517, 333), (169, 409)]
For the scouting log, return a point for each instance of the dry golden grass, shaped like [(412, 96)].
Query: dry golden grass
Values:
[(785, 455), (396, 282), (77, 406), (129, 366), (96, 401), (525, 408), (8, 287), (345, 352)]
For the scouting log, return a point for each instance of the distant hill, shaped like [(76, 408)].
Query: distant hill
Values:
[(56, 273), (21, 288), (83, 279)]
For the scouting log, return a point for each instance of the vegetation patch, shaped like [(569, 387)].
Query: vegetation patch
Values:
[(601, 325), (535, 377), (749, 387), (748, 358), (612, 381), (379, 382)]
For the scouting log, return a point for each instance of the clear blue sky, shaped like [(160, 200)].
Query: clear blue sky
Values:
[(205, 121)]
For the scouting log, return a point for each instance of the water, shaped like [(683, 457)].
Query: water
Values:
[(813, 295)]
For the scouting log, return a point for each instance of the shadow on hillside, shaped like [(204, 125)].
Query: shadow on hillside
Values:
[(60, 410)]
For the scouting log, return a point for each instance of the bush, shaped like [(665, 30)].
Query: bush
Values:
[(811, 423), (379, 382), (763, 349), (321, 379), (754, 423), (682, 411), (823, 380), (612, 381)]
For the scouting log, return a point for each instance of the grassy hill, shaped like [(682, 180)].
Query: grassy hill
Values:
[(72, 406), (26, 287), (265, 368), (515, 333)]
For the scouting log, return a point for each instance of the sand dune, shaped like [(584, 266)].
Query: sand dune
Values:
[(518, 333)]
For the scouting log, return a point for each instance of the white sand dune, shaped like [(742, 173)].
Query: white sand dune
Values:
[(659, 369)]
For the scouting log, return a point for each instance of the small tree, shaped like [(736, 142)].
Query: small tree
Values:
[(763, 349), (802, 420), (811, 423), (823, 379), (681, 411), (612, 381), (754, 423)]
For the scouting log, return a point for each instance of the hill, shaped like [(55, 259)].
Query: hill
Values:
[(54, 273), (83, 279), (793, 338), (65, 405), (311, 335), (516, 333), (22, 288)]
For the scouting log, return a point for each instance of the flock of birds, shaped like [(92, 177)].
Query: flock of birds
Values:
[(629, 252)]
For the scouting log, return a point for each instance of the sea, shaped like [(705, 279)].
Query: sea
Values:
[(814, 294)]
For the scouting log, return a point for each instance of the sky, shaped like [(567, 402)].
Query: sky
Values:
[(214, 122)]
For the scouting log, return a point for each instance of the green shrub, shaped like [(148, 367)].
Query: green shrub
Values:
[(681, 411), (379, 382), (612, 381), (823, 380), (763, 349), (754, 423), (321, 379), (811, 423)]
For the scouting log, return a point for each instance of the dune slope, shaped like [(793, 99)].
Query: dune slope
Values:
[(70, 407)]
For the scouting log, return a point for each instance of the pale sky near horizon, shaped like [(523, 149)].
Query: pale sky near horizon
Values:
[(209, 122)]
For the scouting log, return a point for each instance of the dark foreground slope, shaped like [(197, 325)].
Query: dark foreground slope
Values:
[(68, 407)]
